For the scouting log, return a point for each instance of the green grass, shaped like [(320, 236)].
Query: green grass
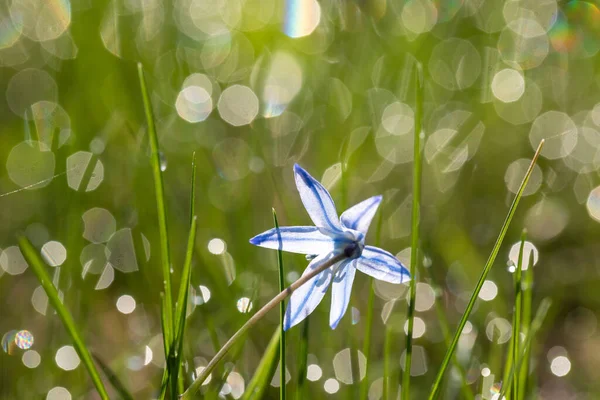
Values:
[(282, 363), (39, 268), (415, 222), (486, 270)]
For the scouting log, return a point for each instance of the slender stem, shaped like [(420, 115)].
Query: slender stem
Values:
[(34, 260), (415, 218), (517, 313), (467, 393), (526, 325), (364, 390), (486, 269), (255, 318), (303, 356), (540, 315), (161, 208), (282, 370), (387, 349)]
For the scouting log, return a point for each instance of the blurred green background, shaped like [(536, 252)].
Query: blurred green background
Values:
[(253, 86)]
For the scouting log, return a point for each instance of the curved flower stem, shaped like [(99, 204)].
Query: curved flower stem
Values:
[(189, 393)]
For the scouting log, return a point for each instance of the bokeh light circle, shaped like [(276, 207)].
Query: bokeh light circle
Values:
[(559, 132), (238, 105), (508, 85), (31, 165)]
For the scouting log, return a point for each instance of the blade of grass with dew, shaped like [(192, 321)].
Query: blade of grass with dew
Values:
[(265, 370), (38, 266), (415, 218), (516, 334), (113, 378), (486, 269), (161, 210), (303, 360), (281, 311), (364, 389), (526, 325), (184, 285), (540, 315), (189, 393)]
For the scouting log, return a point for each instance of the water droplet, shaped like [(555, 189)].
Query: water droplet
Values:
[(163, 161)]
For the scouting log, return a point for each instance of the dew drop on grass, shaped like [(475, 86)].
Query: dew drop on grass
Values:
[(162, 160)]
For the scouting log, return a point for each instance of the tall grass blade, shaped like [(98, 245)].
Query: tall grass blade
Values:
[(387, 362), (364, 385), (113, 378), (540, 315), (364, 388), (303, 360), (181, 305), (467, 394), (486, 269), (415, 218), (526, 325), (516, 334), (161, 209), (36, 263), (184, 285), (265, 370), (282, 370)]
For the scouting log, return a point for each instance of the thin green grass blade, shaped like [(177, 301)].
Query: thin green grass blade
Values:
[(36, 263), (540, 315), (415, 218), (113, 378), (364, 388), (516, 334), (467, 394), (486, 269), (303, 360), (182, 300), (265, 370), (526, 325), (364, 385), (387, 362), (513, 348), (184, 285), (282, 368), (161, 210), (167, 348)]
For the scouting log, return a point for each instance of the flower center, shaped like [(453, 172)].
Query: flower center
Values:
[(353, 249)]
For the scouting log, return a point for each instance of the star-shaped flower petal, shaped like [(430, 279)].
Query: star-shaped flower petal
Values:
[(329, 237)]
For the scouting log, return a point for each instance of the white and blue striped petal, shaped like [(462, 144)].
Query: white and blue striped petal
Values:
[(382, 265), (359, 216), (295, 239), (308, 296), (341, 289), (317, 201)]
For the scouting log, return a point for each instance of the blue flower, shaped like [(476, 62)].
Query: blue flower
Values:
[(329, 237)]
